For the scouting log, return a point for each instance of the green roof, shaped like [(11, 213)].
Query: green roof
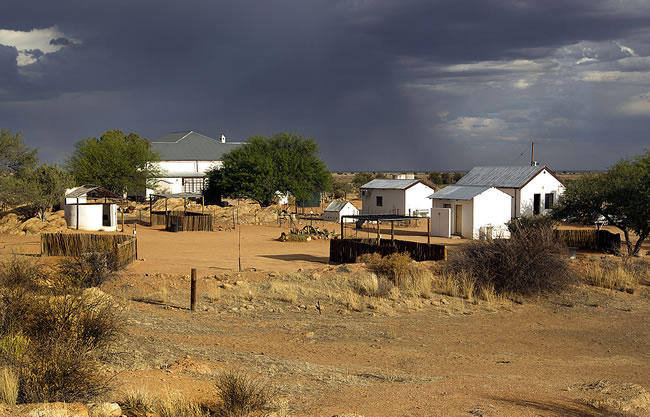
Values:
[(191, 146)]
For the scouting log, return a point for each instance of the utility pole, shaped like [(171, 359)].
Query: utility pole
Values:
[(532, 154)]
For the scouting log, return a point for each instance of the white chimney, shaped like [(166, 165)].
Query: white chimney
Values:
[(223, 138)]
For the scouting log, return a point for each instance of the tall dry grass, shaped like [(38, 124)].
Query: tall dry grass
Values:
[(8, 386), (624, 275)]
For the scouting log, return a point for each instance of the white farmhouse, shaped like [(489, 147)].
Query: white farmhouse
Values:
[(534, 189), (470, 211), (339, 208), (185, 157), (403, 197), (90, 207)]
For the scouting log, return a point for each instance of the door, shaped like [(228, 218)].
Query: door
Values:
[(537, 200), (459, 220)]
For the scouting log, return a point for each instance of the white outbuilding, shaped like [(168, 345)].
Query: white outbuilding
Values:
[(339, 208), (90, 207), (472, 212), (396, 196), (534, 189)]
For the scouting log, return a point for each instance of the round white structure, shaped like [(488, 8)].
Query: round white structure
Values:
[(91, 216)]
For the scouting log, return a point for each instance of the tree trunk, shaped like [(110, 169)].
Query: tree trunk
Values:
[(630, 249), (637, 247)]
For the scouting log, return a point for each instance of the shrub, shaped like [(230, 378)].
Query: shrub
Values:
[(241, 395), (529, 263), (531, 222), (88, 270), (137, 404), (395, 270), (52, 336)]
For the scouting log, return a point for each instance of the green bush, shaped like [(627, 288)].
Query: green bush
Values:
[(532, 222)]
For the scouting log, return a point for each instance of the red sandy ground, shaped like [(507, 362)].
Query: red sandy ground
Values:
[(438, 357)]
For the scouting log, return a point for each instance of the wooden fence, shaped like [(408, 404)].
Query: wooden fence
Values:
[(348, 250), (121, 249), (189, 222), (590, 239)]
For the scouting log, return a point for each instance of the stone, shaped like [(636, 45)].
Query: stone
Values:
[(52, 410), (104, 410), (226, 286)]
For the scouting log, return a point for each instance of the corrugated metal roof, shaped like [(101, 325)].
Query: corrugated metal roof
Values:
[(501, 176), (459, 192), (92, 191), (336, 205), (389, 184), (191, 146)]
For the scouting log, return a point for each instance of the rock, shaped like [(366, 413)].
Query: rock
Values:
[(239, 283), (104, 410), (310, 335), (52, 410), (226, 286)]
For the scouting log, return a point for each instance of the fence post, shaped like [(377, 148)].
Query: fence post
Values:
[(428, 230), (193, 290)]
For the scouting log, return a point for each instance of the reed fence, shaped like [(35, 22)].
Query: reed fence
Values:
[(348, 250), (189, 222), (601, 240), (120, 249), (159, 218)]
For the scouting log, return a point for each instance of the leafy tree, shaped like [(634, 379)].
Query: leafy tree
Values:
[(341, 189), (435, 177), (15, 156), (34, 188), (44, 187), (457, 176), (284, 162), (621, 196), (118, 162), (446, 178)]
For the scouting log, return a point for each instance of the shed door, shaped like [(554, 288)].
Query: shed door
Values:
[(537, 200), (459, 219)]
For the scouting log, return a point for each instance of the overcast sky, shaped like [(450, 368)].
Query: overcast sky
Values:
[(380, 84)]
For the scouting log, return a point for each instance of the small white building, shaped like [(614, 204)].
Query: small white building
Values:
[(90, 207), (392, 196), (339, 208), (185, 157), (534, 189), (472, 212)]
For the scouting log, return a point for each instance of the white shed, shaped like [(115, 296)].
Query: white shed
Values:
[(470, 211), (403, 197), (534, 189), (339, 208), (90, 207)]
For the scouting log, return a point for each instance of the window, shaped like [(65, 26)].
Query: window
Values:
[(380, 201), (193, 185), (548, 201), (446, 205)]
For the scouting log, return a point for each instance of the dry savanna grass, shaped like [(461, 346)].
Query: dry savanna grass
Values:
[(625, 275), (171, 404), (8, 386)]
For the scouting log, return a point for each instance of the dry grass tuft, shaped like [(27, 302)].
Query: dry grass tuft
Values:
[(137, 403), (284, 291), (621, 276), (8, 386), (242, 395), (177, 405)]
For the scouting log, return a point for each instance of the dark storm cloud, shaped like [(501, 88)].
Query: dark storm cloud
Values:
[(381, 85)]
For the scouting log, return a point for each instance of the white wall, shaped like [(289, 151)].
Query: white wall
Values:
[(441, 222), (491, 208), (543, 183), (393, 202), (403, 202), (90, 216), (466, 215), (416, 200), (335, 216)]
